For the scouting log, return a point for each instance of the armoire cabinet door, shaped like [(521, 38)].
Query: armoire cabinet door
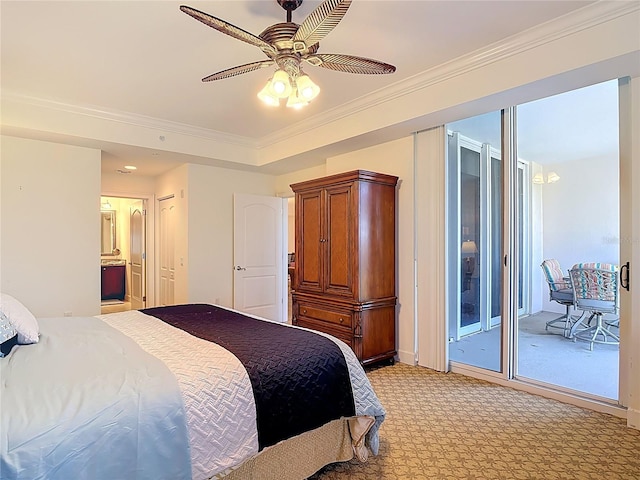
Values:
[(308, 242), (340, 226)]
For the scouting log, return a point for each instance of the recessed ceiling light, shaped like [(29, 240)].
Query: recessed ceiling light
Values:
[(130, 167)]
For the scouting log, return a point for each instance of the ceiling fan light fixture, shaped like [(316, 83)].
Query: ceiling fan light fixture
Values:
[(281, 84), (287, 45), (307, 88), (296, 101), (267, 96)]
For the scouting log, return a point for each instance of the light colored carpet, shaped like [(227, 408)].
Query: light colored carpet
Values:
[(448, 426)]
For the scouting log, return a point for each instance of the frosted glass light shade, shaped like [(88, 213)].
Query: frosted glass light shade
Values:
[(267, 96), (306, 88), (280, 84), (296, 101)]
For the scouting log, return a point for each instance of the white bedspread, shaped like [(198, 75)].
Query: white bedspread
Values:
[(218, 397), (87, 403)]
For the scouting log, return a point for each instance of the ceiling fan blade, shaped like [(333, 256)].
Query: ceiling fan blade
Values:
[(319, 23), (239, 70), (229, 29), (349, 63)]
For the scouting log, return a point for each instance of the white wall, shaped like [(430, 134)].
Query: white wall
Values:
[(581, 215), (127, 184), (283, 182), (210, 249), (50, 229)]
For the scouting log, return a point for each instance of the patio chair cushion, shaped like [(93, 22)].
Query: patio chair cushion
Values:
[(564, 295), (591, 286), (553, 274)]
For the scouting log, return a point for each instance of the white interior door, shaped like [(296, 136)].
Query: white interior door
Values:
[(167, 251), (138, 254), (259, 251)]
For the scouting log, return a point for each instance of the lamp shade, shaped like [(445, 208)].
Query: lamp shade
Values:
[(469, 247), (553, 177)]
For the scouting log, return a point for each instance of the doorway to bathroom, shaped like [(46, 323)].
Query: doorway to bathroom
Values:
[(127, 260)]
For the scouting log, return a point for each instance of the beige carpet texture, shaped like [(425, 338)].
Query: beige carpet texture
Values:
[(448, 426)]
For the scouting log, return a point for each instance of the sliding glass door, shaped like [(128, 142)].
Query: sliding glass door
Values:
[(570, 145), (562, 167), (474, 172)]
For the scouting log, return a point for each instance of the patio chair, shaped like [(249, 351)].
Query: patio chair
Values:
[(559, 291), (595, 290)]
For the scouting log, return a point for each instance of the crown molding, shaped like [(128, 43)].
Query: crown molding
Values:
[(587, 17), (102, 113)]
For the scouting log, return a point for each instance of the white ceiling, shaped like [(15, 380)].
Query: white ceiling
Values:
[(146, 58)]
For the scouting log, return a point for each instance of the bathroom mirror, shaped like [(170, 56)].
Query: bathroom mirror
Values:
[(108, 232)]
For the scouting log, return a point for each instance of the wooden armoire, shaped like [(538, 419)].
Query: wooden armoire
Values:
[(345, 268)]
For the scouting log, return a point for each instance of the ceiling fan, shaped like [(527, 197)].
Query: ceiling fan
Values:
[(287, 46)]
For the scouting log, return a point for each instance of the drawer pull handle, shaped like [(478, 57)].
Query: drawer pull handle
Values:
[(341, 320), (304, 310)]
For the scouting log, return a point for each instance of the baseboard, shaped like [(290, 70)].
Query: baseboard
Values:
[(407, 357), (633, 418)]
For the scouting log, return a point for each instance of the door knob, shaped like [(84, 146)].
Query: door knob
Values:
[(240, 268)]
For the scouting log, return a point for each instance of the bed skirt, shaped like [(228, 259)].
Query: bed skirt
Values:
[(299, 457)]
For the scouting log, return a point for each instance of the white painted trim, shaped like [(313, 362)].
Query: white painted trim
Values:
[(431, 243), (407, 357), (629, 90), (633, 418), (128, 118)]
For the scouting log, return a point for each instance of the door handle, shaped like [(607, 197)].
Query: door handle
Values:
[(624, 280), (240, 268)]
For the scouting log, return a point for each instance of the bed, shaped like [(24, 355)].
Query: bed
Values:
[(182, 392)]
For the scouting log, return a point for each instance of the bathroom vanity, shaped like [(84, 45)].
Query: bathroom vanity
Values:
[(113, 280)]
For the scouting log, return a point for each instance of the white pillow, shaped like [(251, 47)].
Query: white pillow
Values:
[(8, 335), (21, 318)]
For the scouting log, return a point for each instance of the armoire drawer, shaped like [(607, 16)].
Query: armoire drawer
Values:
[(337, 318), (345, 335)]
